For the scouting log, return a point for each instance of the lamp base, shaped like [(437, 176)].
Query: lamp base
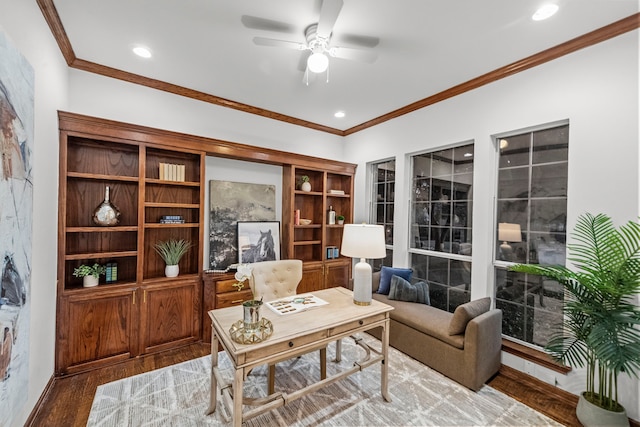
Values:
[(362, 283)]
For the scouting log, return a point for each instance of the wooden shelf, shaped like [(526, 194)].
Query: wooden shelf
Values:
[(178, 183), (98, 255), (102, 177), (159, 225), (171, 205), (97, 229)]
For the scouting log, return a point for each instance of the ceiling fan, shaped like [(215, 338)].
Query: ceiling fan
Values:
[(319, 36)]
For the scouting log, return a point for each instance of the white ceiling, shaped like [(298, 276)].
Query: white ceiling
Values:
[(425, 47)]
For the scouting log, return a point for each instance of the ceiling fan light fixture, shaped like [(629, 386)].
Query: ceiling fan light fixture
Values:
[(318, 62)]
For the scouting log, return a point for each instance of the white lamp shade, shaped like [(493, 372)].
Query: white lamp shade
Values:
[(508, 232), (363, 241), (317, 62)]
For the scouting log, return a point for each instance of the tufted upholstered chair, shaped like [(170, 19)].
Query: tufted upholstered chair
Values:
[(271, 280)]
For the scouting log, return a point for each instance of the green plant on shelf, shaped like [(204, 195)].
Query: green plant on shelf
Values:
[(95, 270), (172, 250)]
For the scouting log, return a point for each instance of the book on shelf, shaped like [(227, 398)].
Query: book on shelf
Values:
[(171, 219), (338, 192), (171, 172), (296, 217)]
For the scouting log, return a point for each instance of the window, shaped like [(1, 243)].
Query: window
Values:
[(441, 205), (531, 217), (384, 177)]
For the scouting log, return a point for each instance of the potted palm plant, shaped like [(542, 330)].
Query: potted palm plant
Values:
[(90, 274), (171, 252), (600, 327)]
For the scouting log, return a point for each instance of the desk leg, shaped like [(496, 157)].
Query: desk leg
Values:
[(213, 392), (238, 381), (338, 351), (323, 363), (385, 362)]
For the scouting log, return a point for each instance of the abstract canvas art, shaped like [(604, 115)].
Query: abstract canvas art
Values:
[(230, 202), (16, 219)]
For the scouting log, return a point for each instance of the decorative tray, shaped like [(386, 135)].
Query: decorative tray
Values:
[(242, 336)]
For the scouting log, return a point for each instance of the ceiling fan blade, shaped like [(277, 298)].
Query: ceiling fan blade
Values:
[(257, 23), (264, 41), (353, 54), (328, 16), (357, 40)]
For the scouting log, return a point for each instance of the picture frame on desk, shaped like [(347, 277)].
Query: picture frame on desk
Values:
[(258, 241)]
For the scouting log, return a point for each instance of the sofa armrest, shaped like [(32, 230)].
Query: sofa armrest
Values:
[(482, 347)]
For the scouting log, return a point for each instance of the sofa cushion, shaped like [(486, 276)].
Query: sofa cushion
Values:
[(424, 318), (375, 282), (465, 312), (403, 290), (385, 277)]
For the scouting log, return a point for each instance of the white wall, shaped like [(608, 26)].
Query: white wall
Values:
[(22, 21), (596, 89)]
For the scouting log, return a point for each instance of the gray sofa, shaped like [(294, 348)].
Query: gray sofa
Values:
[(423, 332)]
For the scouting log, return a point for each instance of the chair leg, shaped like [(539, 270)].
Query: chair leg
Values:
[(338, 351), (272, 379)]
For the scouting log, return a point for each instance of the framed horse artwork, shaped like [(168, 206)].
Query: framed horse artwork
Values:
[(258, 241)]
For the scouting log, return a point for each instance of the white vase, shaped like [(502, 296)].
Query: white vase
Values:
[(171, 270), (90, 281), (306, 186)]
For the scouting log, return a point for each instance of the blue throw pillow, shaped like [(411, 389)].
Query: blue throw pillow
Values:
[(402, 290), (385, 277)]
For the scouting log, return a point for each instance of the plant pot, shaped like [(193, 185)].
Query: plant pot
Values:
[(90, 281), (251, 316), (341, 222), (171, 270), (306, 186), (591, 415)]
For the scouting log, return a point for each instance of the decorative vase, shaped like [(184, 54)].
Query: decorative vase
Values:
[(106, 214), (306, 186), (251, 317), (90, 281), (172, 270), (591, 415)]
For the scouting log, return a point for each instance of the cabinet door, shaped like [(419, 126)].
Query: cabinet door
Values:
[(98, 329), (170, 314), (312, 277), (337, 274)]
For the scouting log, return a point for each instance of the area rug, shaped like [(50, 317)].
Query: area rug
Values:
[(178, 396)]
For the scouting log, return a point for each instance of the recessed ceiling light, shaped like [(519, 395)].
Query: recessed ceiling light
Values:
[(142, 51), (468, 154), (546, 11), (339, 114)]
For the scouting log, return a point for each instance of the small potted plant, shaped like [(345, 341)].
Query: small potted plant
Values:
[(305, 183), (90, 274), (171, 252), (340, 219)]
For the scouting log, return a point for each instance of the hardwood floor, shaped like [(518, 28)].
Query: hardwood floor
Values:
[(69, 401)]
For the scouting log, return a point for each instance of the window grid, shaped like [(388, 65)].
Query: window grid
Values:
[(382, 205), (532, 203)]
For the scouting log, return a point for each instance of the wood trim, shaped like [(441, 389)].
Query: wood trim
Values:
[(50, 14), (534, 383), (536, 356), (82, 124), (607, 32), (41, 401)]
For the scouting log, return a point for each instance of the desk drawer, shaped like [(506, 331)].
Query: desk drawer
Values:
[(229, 299), (357, 324)]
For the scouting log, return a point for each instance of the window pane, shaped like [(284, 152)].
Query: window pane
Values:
[(551, 145), (549, 180), (513, 183), (514, 150), (383, 192), (449, 280)]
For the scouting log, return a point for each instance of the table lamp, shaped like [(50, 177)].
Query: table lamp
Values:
[(363, 241), (508, 232)]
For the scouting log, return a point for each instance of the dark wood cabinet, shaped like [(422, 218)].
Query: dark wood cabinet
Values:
[(141, 311)]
